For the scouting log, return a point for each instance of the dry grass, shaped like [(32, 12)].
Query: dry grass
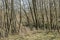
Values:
[(27, 34)]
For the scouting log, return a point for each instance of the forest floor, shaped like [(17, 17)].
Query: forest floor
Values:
[(36, 36)]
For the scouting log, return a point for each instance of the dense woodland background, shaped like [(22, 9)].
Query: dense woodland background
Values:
[(16, 15)]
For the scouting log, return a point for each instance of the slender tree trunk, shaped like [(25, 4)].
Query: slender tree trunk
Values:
[(51, 16), (20, 16), (12, 19), (55, 9), (47, 25), (25, 13), (6, 18), (41, 11), (35, 13), (31, 12)]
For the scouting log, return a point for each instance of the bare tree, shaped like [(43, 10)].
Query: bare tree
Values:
[(31, 11), (25, 13), (13, 18), (20, 13), (35, 13), (46, 12)]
